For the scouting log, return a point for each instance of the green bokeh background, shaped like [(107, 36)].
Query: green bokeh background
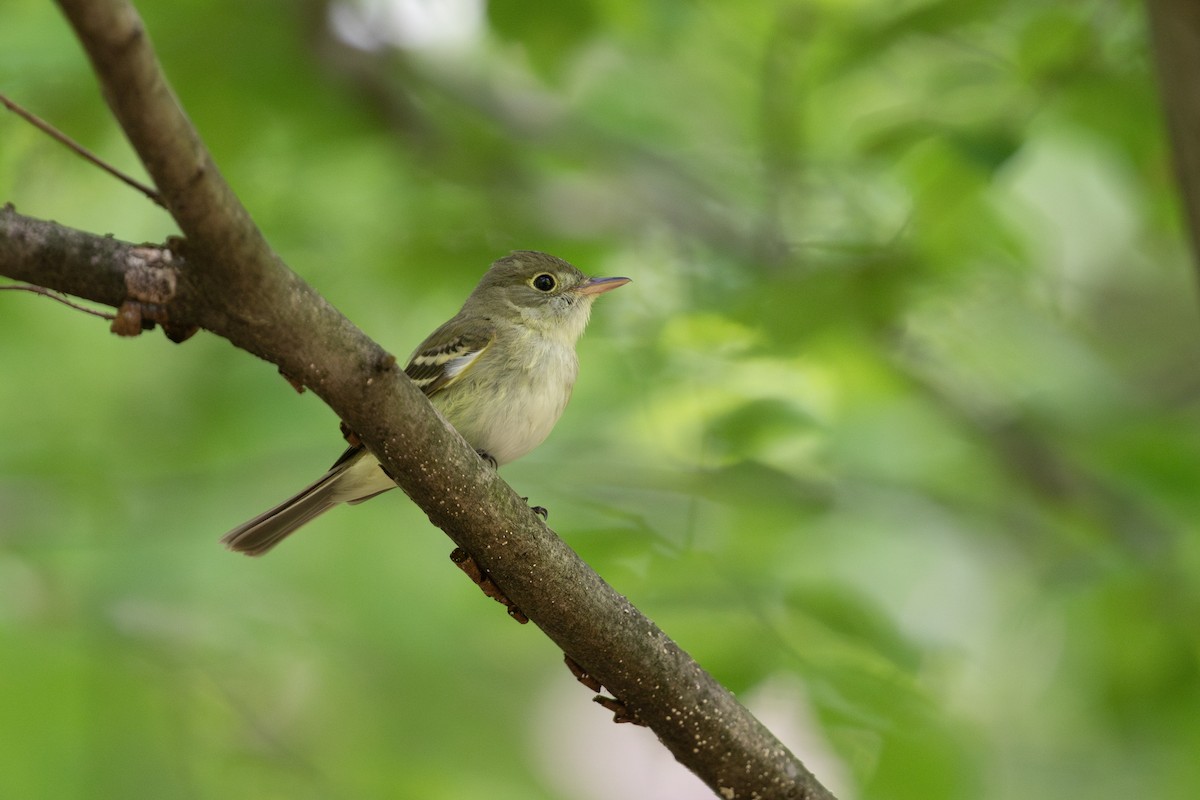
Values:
[(896, 429)]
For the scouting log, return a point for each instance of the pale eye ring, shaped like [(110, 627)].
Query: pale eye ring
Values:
[(544, 282)]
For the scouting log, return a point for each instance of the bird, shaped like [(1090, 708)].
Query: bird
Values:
[(500, 371)]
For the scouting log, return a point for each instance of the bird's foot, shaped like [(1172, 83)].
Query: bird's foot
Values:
[(541, 511), (486, 456)]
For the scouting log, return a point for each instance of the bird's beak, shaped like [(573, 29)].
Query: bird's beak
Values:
[(600, 285)]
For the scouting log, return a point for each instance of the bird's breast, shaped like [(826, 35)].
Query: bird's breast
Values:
[(506, 405)]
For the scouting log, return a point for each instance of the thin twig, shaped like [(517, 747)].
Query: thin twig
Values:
[(83, 152), (28, 287)]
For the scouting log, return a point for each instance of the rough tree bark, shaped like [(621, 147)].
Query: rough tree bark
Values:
[(224, 277)]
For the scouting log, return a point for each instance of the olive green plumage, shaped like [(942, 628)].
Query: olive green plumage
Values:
[(500, 371)]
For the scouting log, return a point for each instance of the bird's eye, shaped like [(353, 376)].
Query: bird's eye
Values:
[(544, 282)]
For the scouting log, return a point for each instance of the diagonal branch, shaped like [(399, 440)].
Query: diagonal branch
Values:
[(225, 278)]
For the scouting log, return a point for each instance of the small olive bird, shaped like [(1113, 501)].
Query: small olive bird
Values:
[(500, 371)]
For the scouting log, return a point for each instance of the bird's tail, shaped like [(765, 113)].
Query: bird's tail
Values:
[(353, 478), (269, 528)]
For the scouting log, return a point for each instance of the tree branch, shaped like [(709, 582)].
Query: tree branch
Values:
[(226, 279), (48, 254)]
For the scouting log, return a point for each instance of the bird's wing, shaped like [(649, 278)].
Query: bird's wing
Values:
[(442, 359)]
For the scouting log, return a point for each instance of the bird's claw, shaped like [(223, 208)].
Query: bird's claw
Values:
[(541, 511)]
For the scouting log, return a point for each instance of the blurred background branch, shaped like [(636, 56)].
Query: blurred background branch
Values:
[(1175, 32)]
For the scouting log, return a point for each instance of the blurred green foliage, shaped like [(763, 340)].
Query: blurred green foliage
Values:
[(896, 429)]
